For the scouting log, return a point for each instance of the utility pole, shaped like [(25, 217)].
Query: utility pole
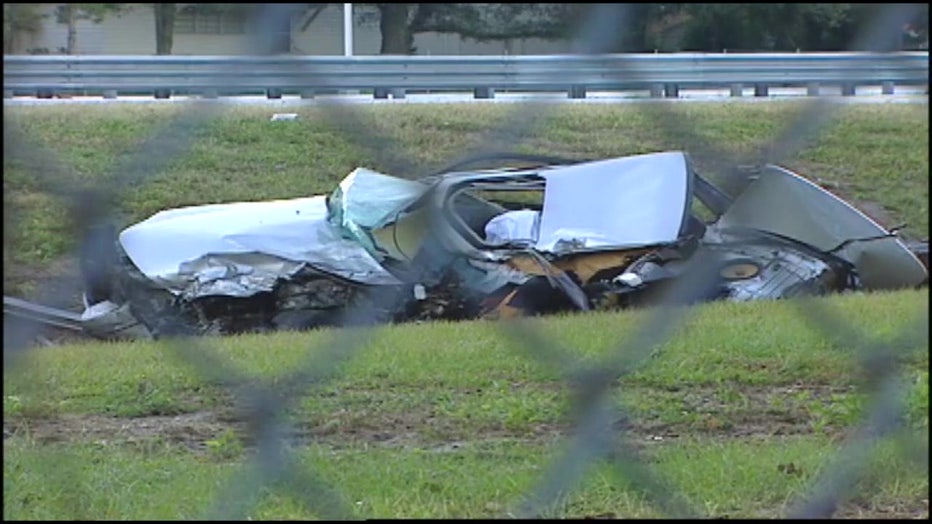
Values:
[(347, 29)]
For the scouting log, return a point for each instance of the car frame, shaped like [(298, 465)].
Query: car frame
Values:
[(608, 233)]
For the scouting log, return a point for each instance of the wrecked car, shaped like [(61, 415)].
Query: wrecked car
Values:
[(559, 236)]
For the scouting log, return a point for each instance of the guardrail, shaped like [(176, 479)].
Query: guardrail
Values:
[(662, 74)]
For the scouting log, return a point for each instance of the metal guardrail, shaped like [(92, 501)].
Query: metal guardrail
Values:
[(662, 74)]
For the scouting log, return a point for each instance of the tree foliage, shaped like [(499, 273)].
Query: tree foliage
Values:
[(650, 27), (70, 14), (93, 12), (20, 20), (775, 27), (481, 22)]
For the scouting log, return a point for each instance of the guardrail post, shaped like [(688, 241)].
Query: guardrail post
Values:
[(812, 89), (307, 94), (760, 90), (656, 90), (483, 92), (671, 90), (577, 92), (380, 92), (163, 94), (110, 94), (273, 93), (886, 88), (398, 93), (737, 90), (847, 89), (45, 93)]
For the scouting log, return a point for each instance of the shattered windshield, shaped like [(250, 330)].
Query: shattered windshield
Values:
[(366, 200)]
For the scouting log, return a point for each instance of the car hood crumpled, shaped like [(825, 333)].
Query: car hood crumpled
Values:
[(242, 248)]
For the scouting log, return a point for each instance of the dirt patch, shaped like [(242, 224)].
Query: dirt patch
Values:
[(55, 284), (906, 510), (759, 412), (191, 429), (756, 413)]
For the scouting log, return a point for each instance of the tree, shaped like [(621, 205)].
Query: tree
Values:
[(19, 20), (484, 22), (69, 14), (164, 28), (777, 27), (397, 37), (400, 22)]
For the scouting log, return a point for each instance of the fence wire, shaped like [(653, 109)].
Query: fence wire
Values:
[(598, 421)]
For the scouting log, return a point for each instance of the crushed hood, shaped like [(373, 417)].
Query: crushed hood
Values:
[(241, 248)]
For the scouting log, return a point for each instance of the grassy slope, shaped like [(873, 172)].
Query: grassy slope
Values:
[(453, 420), (872, 152), (738, 411)]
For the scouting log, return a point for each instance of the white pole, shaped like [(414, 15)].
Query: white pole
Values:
[(347, 29)]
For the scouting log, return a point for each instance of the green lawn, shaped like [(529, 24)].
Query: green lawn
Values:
[(738, 412), (869, 153)]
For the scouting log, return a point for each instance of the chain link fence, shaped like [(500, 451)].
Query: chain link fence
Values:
[(595, 435)]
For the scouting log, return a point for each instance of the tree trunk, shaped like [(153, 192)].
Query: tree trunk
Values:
[(164, 28), (280, 43), (70, 47), (396, 35)]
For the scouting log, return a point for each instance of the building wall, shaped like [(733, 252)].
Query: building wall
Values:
[(133, 32)]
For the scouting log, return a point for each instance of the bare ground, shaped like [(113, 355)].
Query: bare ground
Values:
[(712, 417), (423, 430)]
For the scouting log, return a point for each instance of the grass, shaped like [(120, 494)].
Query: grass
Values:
[(876, 153), (739, 411), (722, 479)]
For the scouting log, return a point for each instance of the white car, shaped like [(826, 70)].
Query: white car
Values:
[(558, 236)]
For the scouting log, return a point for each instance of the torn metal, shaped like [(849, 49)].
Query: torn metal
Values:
[(560, 236)]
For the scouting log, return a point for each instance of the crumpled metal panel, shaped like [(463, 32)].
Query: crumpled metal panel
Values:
[(241, 248), (782, 202), (775, 273), (112, 320), (622, 202)]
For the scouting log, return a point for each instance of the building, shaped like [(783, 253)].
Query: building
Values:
[(315, 32)]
